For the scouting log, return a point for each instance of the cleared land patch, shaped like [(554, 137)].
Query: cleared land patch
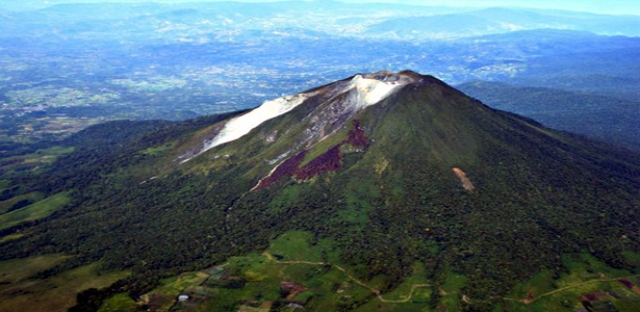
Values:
[(35, 211), (295, 271), (56, 293)]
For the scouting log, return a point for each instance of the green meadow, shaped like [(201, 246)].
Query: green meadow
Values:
[(38, 210), (55, 293)]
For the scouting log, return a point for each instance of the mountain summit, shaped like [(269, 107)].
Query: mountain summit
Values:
[(391, 177), (337, 103)]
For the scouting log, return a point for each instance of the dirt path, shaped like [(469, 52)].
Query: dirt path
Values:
[(351, 277), (599, 280), (407, 298)]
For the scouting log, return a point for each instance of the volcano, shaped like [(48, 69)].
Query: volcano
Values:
[(395, 177)]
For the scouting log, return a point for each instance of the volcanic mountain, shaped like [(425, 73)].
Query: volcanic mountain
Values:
[(393, 171)]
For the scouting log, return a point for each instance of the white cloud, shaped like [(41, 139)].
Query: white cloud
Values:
[(595, 6)]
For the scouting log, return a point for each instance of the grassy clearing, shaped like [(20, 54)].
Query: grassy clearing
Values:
[(300, 245), (120, 303), (287, 197), (57, 293), (7, 204), (4, 184), (406, 289), (263, 278), (451, 295), (16, 270), (413, 306), (10, 237), (541, 283), (54, 151), (294, 245), (356, 211), (331, 285), (413, 294), (585, 276), (164, 297), (253, 282), (632, 257), (358, 205), (585, 267), (322, 146), (34, 161), (157, 150), (35, 211), (245, 279)]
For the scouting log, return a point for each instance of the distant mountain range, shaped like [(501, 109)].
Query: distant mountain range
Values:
[(602, 117), (382, 21), (502, 20)]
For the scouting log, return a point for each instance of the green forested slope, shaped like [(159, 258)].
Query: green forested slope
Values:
[(396, 198)]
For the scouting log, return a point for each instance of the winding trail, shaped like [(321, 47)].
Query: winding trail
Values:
[(351, 277), (599, 280)]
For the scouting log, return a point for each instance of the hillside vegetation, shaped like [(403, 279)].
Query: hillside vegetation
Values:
[(379, 210)]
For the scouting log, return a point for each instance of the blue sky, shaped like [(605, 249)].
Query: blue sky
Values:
[(595, 6)]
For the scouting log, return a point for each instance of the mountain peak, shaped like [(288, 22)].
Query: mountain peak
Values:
[(375, 87), (397, 177), (337, 101), (390, 77), (390, 154)]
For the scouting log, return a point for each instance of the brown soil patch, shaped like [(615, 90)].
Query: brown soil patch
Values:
[(466, 183)]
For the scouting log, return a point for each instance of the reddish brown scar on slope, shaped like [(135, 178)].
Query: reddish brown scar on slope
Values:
[(466, 183)]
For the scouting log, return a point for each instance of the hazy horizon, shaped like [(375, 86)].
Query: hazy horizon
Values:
[(608, 7)]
